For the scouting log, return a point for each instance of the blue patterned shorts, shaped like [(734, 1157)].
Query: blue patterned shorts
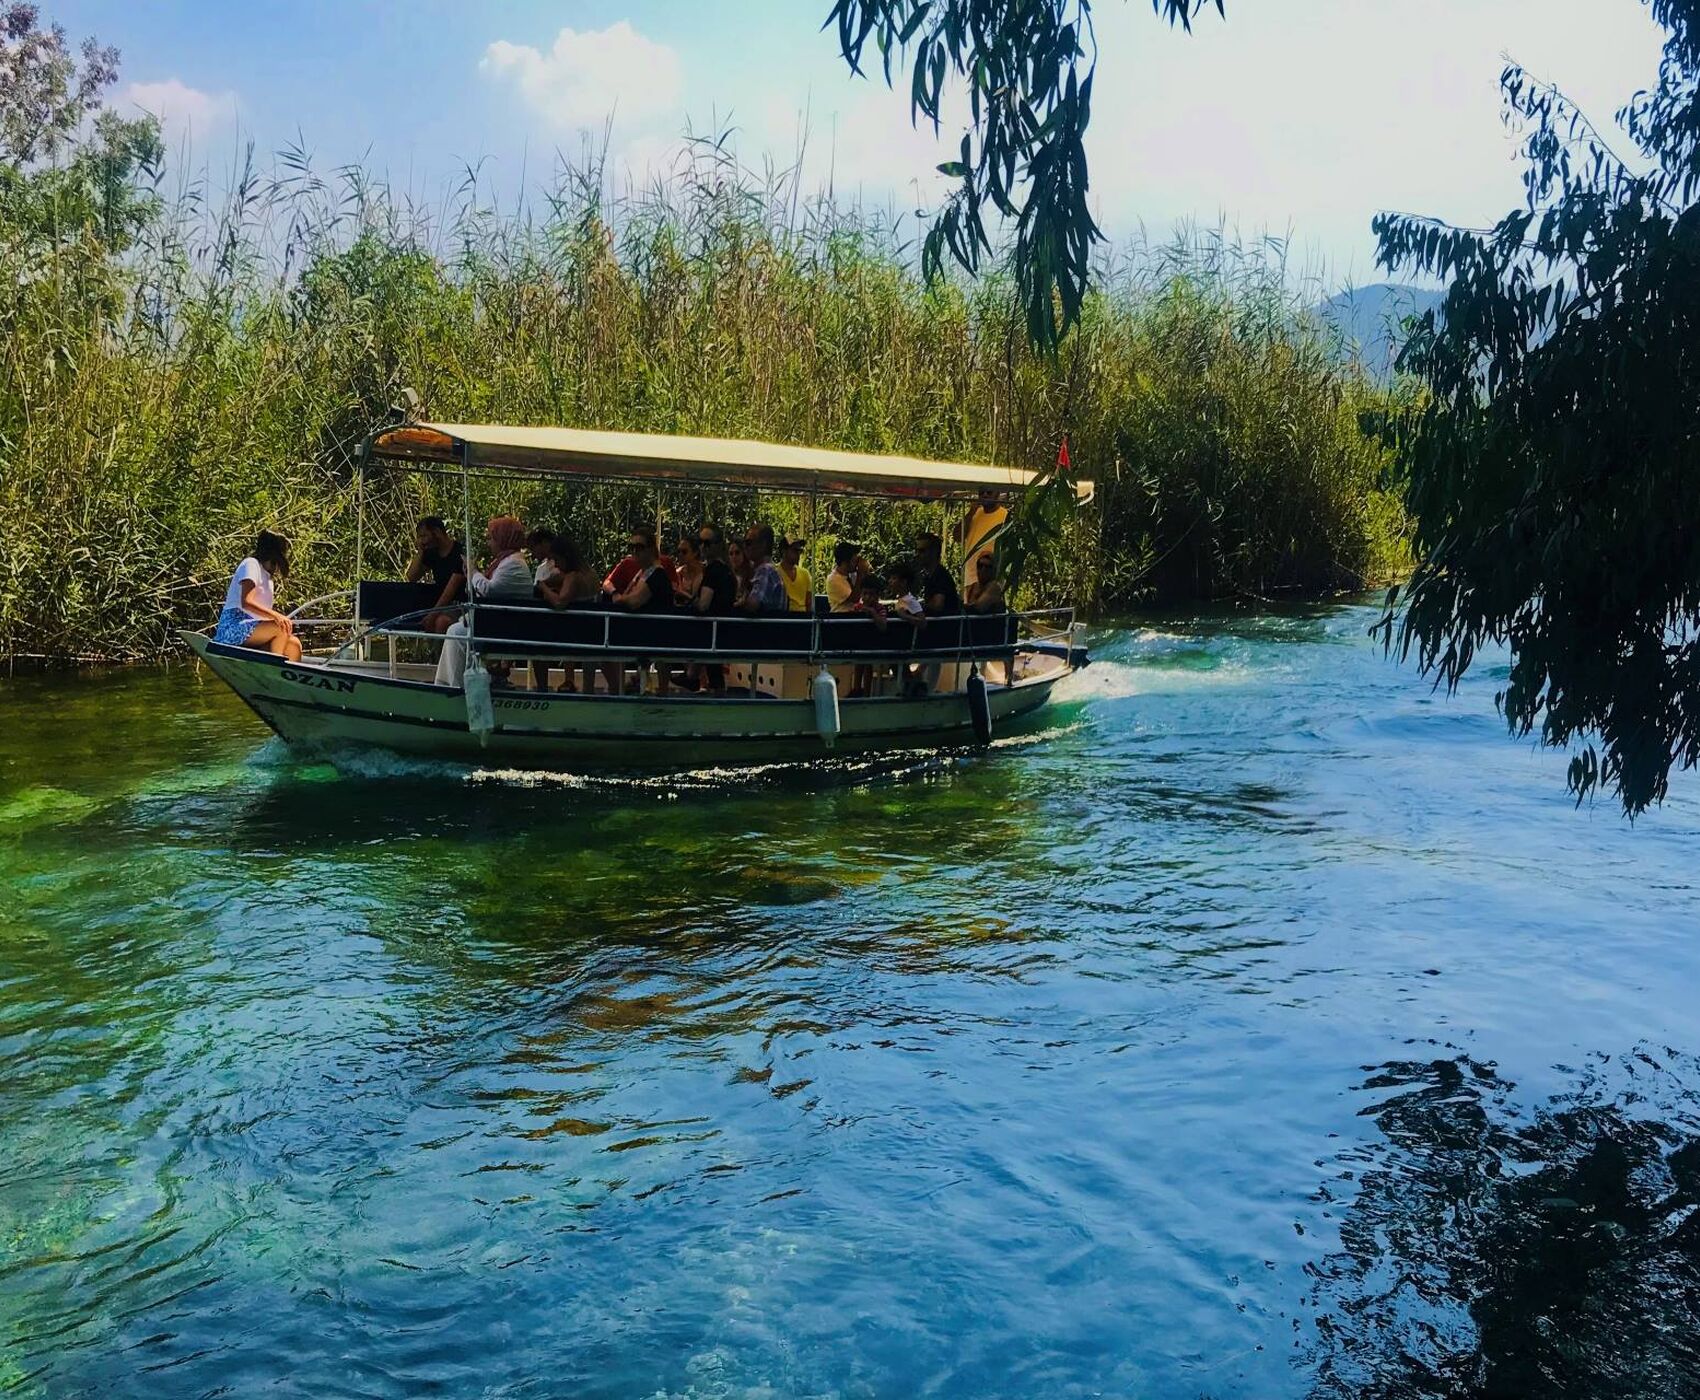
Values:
[(234, 627)]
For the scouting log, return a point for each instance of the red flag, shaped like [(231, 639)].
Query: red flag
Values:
[(1062, 454)]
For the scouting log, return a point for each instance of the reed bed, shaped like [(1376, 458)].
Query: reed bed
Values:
[(160, 403)]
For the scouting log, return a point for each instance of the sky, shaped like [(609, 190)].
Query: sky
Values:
[(1294, 118)]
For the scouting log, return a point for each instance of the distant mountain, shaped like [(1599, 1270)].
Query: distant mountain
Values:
[(1370, 319)]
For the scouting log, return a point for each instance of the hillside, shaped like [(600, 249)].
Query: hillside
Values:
[(1371, 318)]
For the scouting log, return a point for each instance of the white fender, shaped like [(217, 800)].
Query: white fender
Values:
[(480, 710), (824, 689)]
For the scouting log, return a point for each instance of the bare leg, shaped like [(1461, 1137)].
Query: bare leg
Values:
[(268, 636)]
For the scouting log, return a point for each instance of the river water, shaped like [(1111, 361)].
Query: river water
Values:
[(1267, 1025)]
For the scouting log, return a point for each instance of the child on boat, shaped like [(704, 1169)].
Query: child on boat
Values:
[(901, 579), (249, 618), (867, 605)]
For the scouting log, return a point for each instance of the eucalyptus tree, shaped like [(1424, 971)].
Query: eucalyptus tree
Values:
[(1554, 471), (1028, 68)]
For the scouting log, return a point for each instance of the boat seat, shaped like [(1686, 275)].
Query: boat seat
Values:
[(379, 600)]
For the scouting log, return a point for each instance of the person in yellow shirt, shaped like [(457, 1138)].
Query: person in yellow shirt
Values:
[(979, 530), (799, 585), (841, 582)]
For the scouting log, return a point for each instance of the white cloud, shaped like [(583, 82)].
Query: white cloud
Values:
[(588, 76), (1318, 118), (184, 112)]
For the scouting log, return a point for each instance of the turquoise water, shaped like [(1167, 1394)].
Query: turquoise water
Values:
[(1266, 1026)]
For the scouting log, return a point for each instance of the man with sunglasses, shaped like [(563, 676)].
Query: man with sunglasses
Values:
[(651, 591), (624, 574)]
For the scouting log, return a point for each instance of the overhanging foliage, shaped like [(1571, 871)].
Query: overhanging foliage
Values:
[(1554, 472)]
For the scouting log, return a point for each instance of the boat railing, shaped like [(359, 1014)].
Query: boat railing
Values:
[(966, 637)]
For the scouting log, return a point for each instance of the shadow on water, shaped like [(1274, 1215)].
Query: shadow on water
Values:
[(1500, 1252)]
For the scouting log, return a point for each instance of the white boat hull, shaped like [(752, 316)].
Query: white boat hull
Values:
[(323, 707)]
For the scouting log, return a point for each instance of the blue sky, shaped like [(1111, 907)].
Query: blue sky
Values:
[(1291, 116)]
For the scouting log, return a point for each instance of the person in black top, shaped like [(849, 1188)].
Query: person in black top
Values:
[(441, 557), (716, 596), (650, 592), (939, 597)]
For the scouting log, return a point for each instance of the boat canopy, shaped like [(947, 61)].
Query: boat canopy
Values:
[(698, 460)]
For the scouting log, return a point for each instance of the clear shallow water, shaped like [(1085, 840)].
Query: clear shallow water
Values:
[(1267, 1026)]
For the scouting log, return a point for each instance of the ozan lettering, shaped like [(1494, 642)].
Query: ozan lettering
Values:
[(340, 684)]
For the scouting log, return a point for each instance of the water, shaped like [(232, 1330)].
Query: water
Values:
[(1268, 1026)]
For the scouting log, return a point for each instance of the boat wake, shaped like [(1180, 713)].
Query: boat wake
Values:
[(827, 771), (1102, 680)]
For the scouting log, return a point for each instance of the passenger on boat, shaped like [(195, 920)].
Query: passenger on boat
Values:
[(901, 581), (938, 589), (766, 592), (441, 556), (718, 594), (867, 604), (717, 597), (739, 562), (625, 573), (249, 618), (688, 577), (573, 584), (799, 584), (507, 579), (978, 530), (540, 546), (985, 593), (687, 583), (650, 592), (842, 582)]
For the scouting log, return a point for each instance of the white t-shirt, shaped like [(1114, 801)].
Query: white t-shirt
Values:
[(910, 604), (546, 570), (250, 570)]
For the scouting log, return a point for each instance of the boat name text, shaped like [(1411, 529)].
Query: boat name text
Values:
[(341, 684)]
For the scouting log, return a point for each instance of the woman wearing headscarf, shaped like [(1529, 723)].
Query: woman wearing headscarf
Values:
[(506, 578)]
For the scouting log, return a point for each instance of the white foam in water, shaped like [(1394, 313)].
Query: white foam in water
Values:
[(1102, 680), (836, 770)]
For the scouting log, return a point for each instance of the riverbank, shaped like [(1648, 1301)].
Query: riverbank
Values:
[(213, 371)]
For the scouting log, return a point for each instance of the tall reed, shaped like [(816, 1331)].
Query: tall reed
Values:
[(159, 406)]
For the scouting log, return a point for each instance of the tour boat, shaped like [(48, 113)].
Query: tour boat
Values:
[(787, 674)]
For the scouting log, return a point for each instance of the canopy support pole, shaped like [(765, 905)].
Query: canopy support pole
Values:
[(360, 539), (359, 522), (466, 538)]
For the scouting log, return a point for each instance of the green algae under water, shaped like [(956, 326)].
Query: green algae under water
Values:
[(1265, 1026)]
